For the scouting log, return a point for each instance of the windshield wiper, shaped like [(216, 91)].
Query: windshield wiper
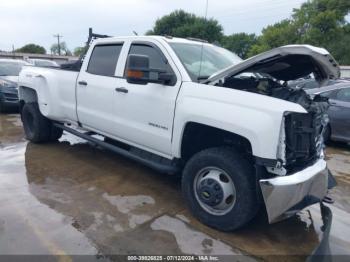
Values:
[(202, 78)]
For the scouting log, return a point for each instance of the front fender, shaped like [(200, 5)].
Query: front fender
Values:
[(256, 117)]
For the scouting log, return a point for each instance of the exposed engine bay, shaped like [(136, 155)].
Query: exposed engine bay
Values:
[(303, 132), (270, 87)]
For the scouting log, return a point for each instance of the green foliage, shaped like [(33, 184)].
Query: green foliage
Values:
[(32, 48), (316, 22), (182, 24), (64, 49), (239, 43), (79, 50), (281, 33)]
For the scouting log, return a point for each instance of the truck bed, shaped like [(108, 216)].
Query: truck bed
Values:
[(53, 84)]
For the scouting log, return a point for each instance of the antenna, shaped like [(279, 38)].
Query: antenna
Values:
[(135, 33), (200, 63)]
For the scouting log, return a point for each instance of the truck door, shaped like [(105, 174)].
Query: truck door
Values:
[(146, 111), (96, 88)]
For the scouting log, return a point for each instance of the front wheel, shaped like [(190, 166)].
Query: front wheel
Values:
[(220, 188)]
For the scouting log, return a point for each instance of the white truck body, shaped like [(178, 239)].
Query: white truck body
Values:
[(153, 117)]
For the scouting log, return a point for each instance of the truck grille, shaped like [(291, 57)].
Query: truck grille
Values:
[(304, 142), (11, 97)]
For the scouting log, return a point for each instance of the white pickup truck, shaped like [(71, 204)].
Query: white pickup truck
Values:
[(240, 137)]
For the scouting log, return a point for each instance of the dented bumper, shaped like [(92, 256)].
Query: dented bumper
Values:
[(286, 195)]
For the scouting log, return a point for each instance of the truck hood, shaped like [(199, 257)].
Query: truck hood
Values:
[(286, 63)]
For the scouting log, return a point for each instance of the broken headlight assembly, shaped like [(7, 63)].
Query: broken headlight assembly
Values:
[(6, 84), (279, 169)]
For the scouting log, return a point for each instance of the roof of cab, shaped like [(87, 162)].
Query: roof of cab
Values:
[(168, 39)]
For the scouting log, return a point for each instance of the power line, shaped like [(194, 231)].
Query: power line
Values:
[(58, 43)]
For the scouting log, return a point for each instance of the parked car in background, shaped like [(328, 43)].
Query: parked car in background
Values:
[(43, 63), (338, 128), (311, 83), (9, 71)]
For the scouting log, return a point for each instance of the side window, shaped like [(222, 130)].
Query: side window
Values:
[(156, 58), (343, 95), (103, 60)]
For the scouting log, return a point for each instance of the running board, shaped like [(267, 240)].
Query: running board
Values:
[(170, 167)]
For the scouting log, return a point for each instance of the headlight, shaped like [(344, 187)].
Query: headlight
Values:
[(281, 148), (4, 83)]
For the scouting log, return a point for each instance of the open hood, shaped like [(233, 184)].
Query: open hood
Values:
[(286, 63)]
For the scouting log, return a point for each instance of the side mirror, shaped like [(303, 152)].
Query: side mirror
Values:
[(137, 69), (139, 72), (165, 77)]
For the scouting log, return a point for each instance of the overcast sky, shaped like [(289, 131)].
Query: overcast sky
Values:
[(36, 21)]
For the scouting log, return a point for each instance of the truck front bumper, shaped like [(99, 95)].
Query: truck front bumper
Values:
[(286, 195)]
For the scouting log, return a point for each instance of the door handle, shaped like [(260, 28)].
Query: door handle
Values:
[(122, 90), (82, 83)]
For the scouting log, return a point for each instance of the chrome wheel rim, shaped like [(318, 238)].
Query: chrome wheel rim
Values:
[(214, 190)]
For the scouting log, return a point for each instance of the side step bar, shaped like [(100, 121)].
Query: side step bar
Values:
[(170, 167)]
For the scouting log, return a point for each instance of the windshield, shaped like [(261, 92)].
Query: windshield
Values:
[(214, 59), (10, 68)]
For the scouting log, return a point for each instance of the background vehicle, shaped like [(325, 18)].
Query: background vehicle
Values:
[(311, 83), (9, 71), (238, 134), (43, 63), (338, 128)]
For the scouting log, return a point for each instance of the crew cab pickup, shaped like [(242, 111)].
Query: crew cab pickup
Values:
[(238, 135)]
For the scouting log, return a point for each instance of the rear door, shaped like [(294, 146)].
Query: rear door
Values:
[(339, 113), (96, 88), (146, 112)]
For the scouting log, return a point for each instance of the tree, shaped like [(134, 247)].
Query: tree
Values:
[(239, 43), (281, 33), (79, 50), (182, 24), (32, 48), (316, 22), (64, 49)]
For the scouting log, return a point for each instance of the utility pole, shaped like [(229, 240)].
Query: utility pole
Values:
[(58, 43), (13, 51)]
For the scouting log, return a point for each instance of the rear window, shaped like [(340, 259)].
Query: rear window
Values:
[(103, 60)]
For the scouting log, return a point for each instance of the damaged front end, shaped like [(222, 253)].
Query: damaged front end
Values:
[(303, 176), (304, 133), (300, 177)]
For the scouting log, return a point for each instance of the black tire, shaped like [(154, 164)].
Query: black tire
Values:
[(242, 174), (37, 128), (56, 133), (2, 106)]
